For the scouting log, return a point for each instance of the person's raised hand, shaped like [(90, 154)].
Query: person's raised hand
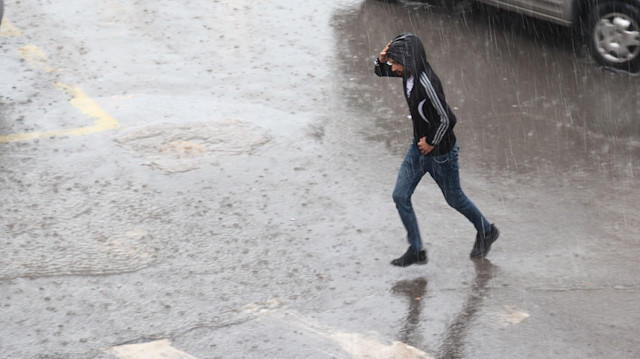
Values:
[(383, 54)]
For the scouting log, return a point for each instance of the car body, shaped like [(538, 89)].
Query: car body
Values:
[(611, 28), (557, 11)]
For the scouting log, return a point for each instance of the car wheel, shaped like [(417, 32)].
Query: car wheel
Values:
[(1, 8), (614, 35)]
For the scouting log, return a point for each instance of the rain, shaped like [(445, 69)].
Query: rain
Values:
[(213, 179)]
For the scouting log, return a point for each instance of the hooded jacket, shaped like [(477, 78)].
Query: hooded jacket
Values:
[(432, 118)]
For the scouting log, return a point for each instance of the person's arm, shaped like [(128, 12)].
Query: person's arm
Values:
[(382, 68), (442, 123)]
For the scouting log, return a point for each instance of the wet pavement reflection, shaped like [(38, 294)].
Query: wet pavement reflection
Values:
[(453, 343), (414, 291)]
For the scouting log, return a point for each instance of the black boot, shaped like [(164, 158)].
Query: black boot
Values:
[(410, 257), (483, 242)]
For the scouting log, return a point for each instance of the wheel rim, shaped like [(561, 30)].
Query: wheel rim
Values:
[(617, 38)]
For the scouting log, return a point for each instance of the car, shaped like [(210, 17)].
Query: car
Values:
[(610, 28), (1, 8)]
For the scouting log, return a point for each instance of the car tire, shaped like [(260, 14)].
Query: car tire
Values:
[(1, 11), (614, 35)]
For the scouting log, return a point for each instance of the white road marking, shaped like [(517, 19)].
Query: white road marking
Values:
[(355, 344), (514, 316), (160, 349)]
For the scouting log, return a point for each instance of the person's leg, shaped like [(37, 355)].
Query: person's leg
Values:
[(445, 171), (409, 176)]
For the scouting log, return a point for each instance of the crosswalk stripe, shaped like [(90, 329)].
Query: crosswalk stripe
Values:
[(160, 349), (355, 344)]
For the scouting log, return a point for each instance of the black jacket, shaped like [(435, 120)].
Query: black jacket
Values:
[(432, 118)]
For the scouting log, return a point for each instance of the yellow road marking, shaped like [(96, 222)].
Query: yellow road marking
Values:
[(8, 30), (103, 121), (35, 57)]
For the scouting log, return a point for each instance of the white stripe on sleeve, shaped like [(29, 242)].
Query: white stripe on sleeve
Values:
[(433, 96), (421, 111)]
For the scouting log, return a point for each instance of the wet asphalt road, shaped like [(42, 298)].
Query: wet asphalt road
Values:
[(213, 180)]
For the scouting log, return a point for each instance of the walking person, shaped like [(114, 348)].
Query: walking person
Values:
[(434, 149)]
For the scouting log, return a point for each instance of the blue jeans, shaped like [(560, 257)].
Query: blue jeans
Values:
[(444, 170)]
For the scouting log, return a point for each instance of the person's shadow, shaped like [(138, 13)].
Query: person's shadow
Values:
[(415, 291), (452, 346)]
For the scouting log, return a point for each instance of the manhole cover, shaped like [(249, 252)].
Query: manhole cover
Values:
[(187, 146)]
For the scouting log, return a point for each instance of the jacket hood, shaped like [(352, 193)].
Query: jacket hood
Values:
[(407, 49)]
